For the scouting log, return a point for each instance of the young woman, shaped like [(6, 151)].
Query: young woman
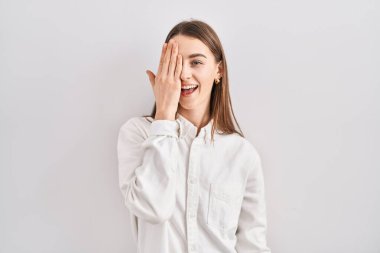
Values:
[(191, 181)]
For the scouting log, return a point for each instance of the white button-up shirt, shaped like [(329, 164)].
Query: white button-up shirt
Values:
[(186, 194)]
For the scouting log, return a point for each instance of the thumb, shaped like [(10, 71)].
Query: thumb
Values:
[(151, 76)]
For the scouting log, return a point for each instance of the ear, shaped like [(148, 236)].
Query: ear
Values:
[(220, 69)]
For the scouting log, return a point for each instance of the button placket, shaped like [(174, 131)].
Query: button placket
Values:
[(192, 198)]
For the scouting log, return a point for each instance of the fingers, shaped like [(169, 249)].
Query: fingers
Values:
[(178, 69), (173, 59), (166, 60), (169, 61), (164, 47)]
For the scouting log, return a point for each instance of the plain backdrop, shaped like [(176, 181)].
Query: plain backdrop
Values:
[(305, 89)]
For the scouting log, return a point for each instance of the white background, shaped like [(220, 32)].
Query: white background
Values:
[(305, 89)]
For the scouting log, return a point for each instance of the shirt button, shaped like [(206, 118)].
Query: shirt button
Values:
[(192, 180)]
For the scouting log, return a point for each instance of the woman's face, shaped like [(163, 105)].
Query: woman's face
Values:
[(198, 68)]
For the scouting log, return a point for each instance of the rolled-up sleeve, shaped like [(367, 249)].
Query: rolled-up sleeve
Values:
[(252, 226), (147, 167)]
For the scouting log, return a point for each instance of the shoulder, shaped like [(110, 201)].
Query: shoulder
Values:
[(251, 157), (137, 126), (251, 149), (237, 141), (242, 146), (137, 122)]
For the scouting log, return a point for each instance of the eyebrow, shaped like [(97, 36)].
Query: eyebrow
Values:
[(196, 55)]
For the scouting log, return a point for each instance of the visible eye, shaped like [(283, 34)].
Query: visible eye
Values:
[(196, 62)]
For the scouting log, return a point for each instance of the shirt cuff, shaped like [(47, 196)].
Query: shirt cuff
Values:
[(164, 127)]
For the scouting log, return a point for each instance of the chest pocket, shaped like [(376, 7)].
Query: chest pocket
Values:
[(224, 205)]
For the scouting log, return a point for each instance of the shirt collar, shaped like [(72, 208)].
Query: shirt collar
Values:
[(189, 129)]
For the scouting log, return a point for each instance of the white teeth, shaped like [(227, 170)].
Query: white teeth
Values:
[(188, 87)]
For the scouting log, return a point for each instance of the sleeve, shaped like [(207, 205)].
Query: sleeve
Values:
[(251, 231), (147, 169)]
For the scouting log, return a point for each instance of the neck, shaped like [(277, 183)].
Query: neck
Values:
[(196, 117)]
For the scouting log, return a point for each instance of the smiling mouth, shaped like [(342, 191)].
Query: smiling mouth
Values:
[(186, 92), (189, 85)]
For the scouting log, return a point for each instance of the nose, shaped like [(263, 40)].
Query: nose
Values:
[(186, 72)]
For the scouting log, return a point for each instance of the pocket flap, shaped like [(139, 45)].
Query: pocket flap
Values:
[(227, 192)]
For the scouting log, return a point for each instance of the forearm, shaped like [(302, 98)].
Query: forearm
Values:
[(147, 173)]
